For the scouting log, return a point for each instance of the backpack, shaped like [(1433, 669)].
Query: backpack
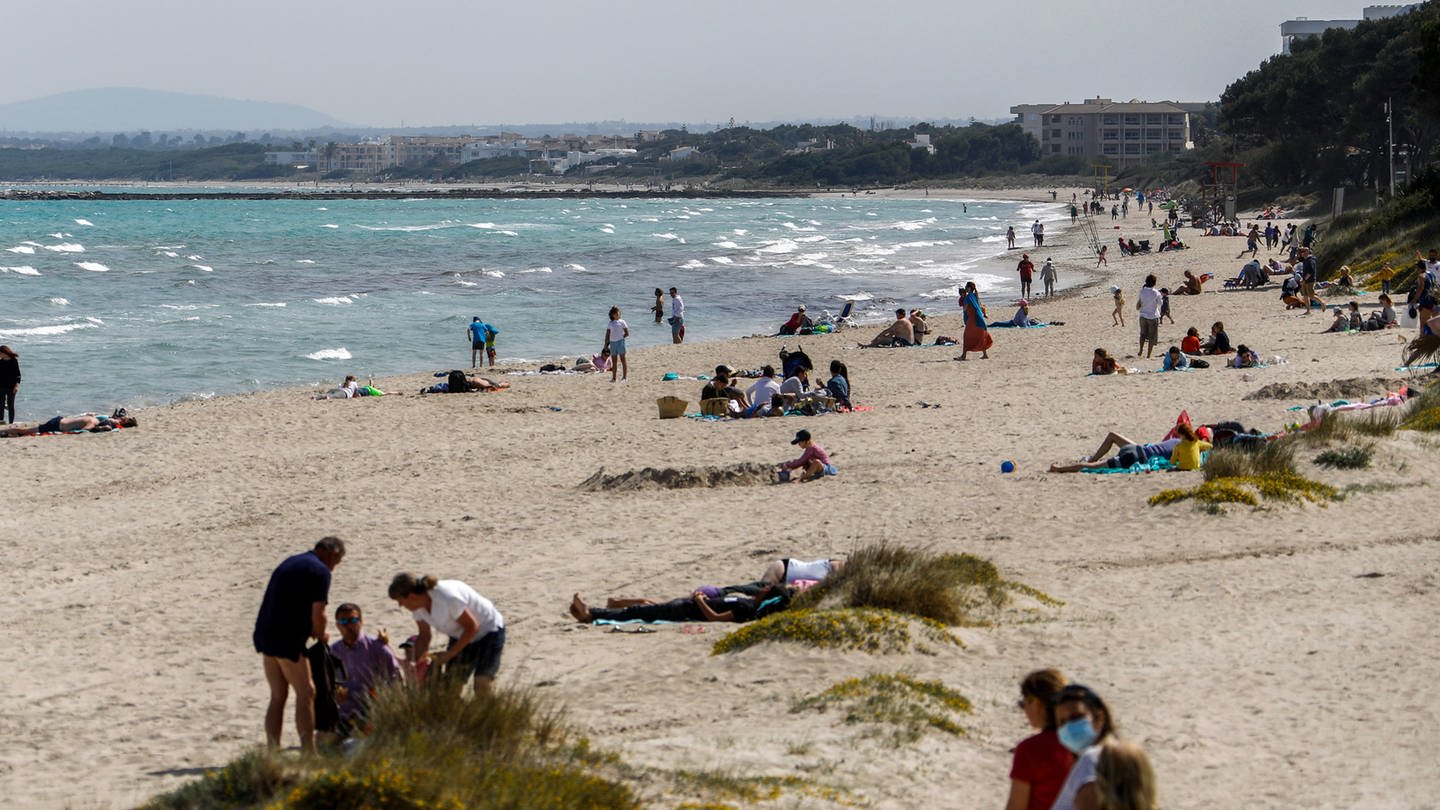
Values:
[(457, 382)]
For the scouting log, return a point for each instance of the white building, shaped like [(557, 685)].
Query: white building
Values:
[(1121, 133), (1304, 27)]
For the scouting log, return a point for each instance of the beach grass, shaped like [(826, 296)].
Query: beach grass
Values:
[(869, 630), (1346, 458), (1342, 427), (953, 589), (910, 706), (1239, 476), (429, 747)]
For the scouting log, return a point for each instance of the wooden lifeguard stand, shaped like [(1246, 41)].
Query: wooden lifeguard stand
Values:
[(1220, 192)]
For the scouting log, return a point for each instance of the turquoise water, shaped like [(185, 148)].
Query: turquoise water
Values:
[(139, 303)]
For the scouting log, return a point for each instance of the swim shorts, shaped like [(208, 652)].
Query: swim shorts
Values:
[(481, 657), (617, 347), (51, 425), (676, 324), (1150, 330), (1128, 457), (477, 345)]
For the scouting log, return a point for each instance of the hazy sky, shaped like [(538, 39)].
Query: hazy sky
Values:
[(430, 62)]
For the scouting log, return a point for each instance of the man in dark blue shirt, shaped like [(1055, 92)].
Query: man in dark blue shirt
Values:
[(292, 612)]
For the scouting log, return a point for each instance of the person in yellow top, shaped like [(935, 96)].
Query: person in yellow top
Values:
[(1385, 274), (1186, 455)]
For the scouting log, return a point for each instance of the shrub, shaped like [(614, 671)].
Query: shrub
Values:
[(247, 781), (428, 747), (864, 629), (1346, 458), (898, 700), (1272, 458), (1285, 487), (948, 588)]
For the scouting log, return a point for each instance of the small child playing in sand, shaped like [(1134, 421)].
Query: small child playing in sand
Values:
[(1165, 305), (1118, 316)]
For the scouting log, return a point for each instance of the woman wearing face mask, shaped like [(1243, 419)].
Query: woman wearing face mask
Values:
[(1041, 762), (1082, 722)]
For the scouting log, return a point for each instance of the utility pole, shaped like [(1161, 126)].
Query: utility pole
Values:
[(1390, 128)]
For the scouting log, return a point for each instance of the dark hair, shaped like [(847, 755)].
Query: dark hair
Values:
[(900, 313), (331, 544), (408, 584), (1150, 280), (838, 369), (614, 311), (774, 598), (659, 292), (1242, 349), (349, 607), (768, 371), (1076, 693), (9, 352), (1043, 684)]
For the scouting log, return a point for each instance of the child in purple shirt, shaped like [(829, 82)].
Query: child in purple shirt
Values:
[(814, 462)]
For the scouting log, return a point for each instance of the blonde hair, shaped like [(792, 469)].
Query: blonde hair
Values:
[(1123, 777)]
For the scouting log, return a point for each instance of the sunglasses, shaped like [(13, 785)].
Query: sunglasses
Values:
[(351, 620)]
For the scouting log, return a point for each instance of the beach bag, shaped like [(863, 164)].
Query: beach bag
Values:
[(457, 382)]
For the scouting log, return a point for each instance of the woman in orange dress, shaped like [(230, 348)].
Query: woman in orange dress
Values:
[(977, 336)]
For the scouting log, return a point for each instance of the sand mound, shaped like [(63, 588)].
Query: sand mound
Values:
[(736, 475), (1349, 388)]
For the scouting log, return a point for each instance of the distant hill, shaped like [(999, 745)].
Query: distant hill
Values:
[(129, 109)]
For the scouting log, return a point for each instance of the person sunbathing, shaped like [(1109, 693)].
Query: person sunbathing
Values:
[(704, 605), (1193, 285), (899, 333), (1128, 454), (94, 423), (1103, 363), (1244, 358), (788, 571)]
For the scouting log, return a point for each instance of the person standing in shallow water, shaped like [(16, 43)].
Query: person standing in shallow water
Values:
[(677, 317), (9, 383), (659, 306)]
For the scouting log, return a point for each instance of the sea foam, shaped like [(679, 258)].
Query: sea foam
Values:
[(94, 267), (22, 270), (341, 353)]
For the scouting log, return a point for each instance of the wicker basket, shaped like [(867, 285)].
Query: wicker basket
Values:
[(671, 407)]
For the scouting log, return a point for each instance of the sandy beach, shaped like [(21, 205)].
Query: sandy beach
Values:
[(1263, 658)]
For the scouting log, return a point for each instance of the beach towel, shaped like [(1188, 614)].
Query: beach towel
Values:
[(1157, 464), (1013, 325)]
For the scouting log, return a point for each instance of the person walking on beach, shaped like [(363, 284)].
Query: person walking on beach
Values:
[(476, 629), (1148, 302), (1101, 258), (292, 612), (677, 317), (615, 333), (1047, 277), (1117, 316), (1309, 273), (1035, 232), (1026, 269), (9, 382), (1010, 238), (977, 335)]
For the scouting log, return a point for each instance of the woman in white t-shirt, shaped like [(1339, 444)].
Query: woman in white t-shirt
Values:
[(1082, 722), (615, 334), (476, 629)]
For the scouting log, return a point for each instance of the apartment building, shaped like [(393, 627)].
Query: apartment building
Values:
[(1121, 133), (1305, 28)]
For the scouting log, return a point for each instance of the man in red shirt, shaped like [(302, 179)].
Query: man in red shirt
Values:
[(1027, 270)]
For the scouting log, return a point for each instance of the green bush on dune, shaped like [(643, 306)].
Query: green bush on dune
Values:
[(429, 748), (893, 700)]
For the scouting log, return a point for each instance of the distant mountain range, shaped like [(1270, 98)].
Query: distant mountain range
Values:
[(131, 109)]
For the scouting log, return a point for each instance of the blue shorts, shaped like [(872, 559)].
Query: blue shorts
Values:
[(676, 324), (830, 469), (617, 348), (480, 658)]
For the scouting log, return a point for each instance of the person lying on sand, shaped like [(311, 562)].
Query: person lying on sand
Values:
[(788, 571), (700, 606), (94, 423), (1103, 363), (1129, 454)]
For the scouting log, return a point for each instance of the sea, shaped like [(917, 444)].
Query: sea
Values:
[(138, 303)]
